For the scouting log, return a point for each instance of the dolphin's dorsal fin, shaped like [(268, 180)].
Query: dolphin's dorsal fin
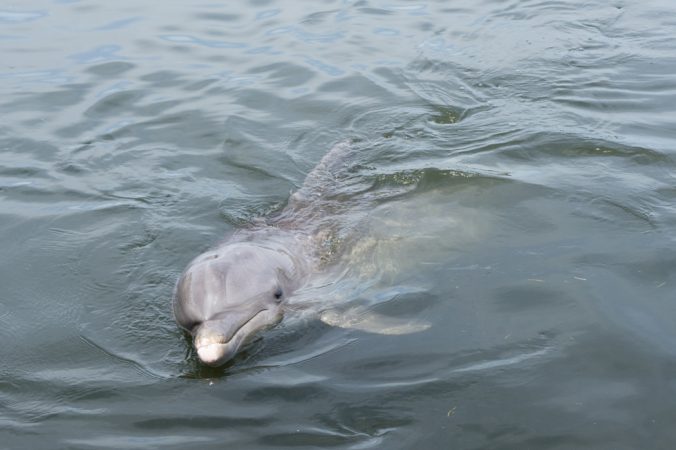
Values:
[(364, 320)]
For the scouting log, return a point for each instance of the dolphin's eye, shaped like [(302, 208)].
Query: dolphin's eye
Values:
[(278, 293)]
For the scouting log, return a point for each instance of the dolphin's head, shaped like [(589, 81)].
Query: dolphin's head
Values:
[(226, 296)]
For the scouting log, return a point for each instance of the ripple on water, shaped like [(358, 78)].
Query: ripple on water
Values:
[(512, 185)]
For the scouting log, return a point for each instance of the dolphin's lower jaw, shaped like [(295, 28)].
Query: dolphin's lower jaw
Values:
[(213, 349), (214, 354)]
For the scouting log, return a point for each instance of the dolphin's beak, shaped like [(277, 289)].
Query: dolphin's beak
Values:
[(214, 354), (213, 347), (211, 354), (218, 340)]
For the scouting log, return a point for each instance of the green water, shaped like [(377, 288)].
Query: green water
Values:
[(520, 161)]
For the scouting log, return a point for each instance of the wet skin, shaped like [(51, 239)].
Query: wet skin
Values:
[(228, 294)]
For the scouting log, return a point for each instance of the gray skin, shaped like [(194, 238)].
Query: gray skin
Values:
[(230, 293)]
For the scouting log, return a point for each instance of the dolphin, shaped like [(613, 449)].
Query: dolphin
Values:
[(230, 293)]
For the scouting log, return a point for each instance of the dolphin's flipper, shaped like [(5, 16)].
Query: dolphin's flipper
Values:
[(363, 320)]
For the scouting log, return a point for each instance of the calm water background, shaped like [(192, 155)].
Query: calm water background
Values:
[(523, 154)]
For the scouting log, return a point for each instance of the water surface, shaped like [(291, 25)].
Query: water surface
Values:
[(520, 156)]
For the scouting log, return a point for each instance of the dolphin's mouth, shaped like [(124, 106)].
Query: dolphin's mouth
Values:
[(214, 347)]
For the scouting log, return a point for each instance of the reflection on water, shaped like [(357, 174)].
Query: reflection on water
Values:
[(518, 160)]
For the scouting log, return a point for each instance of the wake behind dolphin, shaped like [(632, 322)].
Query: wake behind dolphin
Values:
[(228, 294)]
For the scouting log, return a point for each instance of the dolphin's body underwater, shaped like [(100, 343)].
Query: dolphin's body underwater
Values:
[(228, 294)]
